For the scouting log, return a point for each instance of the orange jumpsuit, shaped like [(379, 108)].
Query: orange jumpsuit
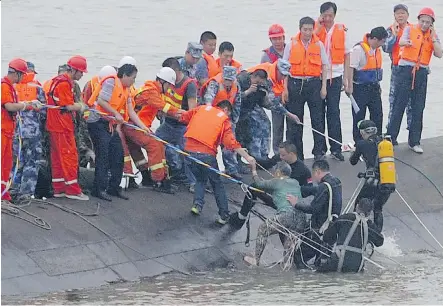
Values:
[(8, 126), (148, 101), (64, 156)]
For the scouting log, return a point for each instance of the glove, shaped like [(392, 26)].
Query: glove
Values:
[(36, 104)]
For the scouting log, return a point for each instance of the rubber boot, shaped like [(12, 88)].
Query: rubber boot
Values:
[(132, 184), (147, 179), (378, 220)]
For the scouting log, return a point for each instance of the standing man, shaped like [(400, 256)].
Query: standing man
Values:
[(30, 91), (208, 126), (392, 46), (182, 95), (334, 37), (276, 35), (419, 42), (188, 63), (306, 83), (60, 125), (17, 68), (112, 98), (226, 54), (364, 79), (209, 42), (224, 86)]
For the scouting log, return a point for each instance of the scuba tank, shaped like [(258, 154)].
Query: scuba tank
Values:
[(386, 164)]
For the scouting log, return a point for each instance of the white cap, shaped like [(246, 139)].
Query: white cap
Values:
[(127, 60), (168, 75), (106, 71)]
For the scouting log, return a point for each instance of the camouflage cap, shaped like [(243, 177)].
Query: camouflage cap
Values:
[(229, 73), (195, 49), (283, 66), (31, 67)]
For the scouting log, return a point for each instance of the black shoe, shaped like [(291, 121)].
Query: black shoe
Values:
[(319, 157), (164, 186), (394, 142), (132, 183), (235, 222), (147, 179), (117, 193), (338, 156), (102, 195)]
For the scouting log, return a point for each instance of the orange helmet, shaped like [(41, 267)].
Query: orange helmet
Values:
[(427, 11), (78, 62), (276, 30), (19, 65)]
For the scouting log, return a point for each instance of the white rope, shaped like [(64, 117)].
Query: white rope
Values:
[(419, 220)]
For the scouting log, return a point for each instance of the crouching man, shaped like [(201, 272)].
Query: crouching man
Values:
[(351, 232)]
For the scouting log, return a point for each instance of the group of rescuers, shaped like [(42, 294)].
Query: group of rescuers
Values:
[(203, 102)]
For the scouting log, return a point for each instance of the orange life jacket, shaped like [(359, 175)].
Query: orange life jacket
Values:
[(56, 120), (174, 95), (337, 47), (277, 86), (214, 70), (305, 63), (395, 53), (422, 47), (146, 112), (27, 88), (222, 93), (8, 118), (119, 97), (206, 126), (211, 63), (372, 71)]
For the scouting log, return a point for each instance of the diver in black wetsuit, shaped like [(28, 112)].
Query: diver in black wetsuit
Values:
[(368, 149), (352, 232)]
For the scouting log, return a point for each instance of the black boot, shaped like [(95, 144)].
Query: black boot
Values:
[(378, 220), (147, 179), (117, 193), (164, 186), (235, 222), (132, 184), (101, 195)]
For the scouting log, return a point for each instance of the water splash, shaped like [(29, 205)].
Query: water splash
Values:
[(390, 247)]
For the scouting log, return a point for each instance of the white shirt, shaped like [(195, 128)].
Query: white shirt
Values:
[(336, 69)]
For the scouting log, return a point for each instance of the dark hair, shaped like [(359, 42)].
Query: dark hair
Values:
[(365, 205), (172, 63), (207, 35), (321, 164), (306, 20), (261, 73), (226, 46), (126, 69), (326, 6), (225, 104), (378, 33), (289, 147)]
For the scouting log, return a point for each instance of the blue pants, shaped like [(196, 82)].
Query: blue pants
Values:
[(174, 135), (202, 174), (394, 72), (27, 173), (230, 158)]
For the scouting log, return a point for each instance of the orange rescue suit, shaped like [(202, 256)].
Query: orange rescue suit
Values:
[(222, 93), (337, 43), (271, 69), (422, 48), (213, 70), (8, 126), (305, 63)]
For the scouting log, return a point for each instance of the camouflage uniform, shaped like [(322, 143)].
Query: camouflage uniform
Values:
[(29, 132), (229, 157), (196, 51), (254, 123), (84, 143)]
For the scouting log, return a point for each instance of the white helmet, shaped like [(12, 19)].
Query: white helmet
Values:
[(127, 60), (168, 75), (106, 71)]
